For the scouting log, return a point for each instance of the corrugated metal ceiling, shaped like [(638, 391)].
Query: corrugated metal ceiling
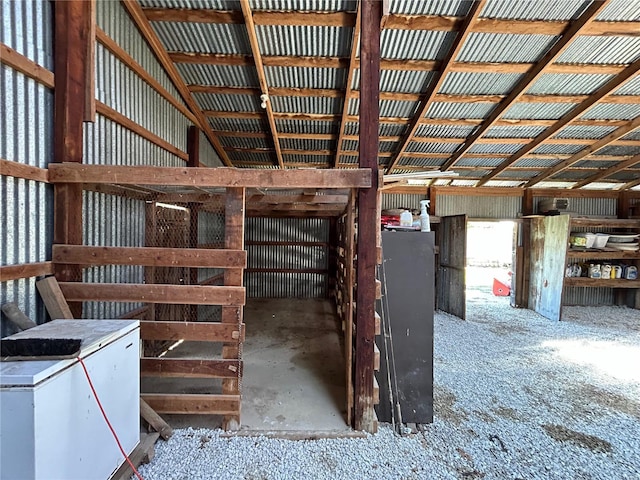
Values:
[(317, 57)]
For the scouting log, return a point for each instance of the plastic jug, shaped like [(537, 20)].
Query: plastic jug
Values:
[(406, 219)]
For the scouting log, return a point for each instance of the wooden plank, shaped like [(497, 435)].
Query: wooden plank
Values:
[(143, 453), (435, 83), (451, 290), (16, 316), (137, 15), (139, 70), (364, 416), (25, 270), (26, 66), (553, 192), (166, 294), (262, 78), (155, 421), (53, 299), (376, 358), (353, 60), (571, 32), (209, 177), (601, 282), (189, 368), (547, 258), (349, 232), (20, 170), (90, 64), (598, 255), (192, 331), (193, 403), (149, 256)]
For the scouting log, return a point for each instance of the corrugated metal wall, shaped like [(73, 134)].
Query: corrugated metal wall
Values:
[(298, 257), (586, 206), (479, 207), (26, 123), (398, 200)]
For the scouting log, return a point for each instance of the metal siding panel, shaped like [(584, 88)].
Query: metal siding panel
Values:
[(614, 50), (400, 200), (304, 5), (454, 8), (620, 10), (421, 162), (210, 4), (550, 10), (632, 87), (404, 81), (588, 132), (505, 47), (479, 207), (459, 110), (585, 206), (266, 157), (429, 147), (238, 124), (207, 153), (478, 162), (244, 142), (514, 132), (415, 44), (568, 84), (219, 75), (203, 37), (307, 127), (286, 285), (495, 148), (558, 149), (470, 83), (538, 111), (228, 102), (595, 297), (444, 131), (612, 111), (619, 151), (305, 77), (303, 40), (326, 159), (307, 144), (321, 105), (26, 123)]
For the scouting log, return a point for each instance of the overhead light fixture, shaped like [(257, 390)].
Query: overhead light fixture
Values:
[(264, 98)]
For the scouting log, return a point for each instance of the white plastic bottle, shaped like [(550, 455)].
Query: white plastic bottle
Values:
[(425, 223), (406, 219)]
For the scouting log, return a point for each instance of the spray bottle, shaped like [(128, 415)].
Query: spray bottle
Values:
[(425, 224)]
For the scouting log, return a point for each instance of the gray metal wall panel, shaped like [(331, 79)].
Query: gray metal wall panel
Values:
[(26, 123), (400, 200), (287, 285), (207, 153), (588, 296), (479, 207), (585, 206)]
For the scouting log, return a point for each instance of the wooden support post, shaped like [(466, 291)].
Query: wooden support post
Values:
[(332, 251), (234, 239), (523, 251), (150, 234), (364, 415), (193, 150), (72, 30), (624, 204)]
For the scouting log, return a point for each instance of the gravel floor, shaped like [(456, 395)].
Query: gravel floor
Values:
[(516, 397)]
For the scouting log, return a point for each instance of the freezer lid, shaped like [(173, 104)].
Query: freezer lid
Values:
[(94, 335)]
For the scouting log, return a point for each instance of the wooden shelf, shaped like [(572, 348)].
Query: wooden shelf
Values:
[(600, 255), (604, 223), (600, 282)]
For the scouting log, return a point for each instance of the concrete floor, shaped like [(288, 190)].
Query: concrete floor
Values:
[(294, 373)]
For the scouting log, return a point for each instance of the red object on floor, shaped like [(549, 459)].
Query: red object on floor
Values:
[(500, 289)]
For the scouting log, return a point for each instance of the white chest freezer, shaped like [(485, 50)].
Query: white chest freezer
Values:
[(50, 425)]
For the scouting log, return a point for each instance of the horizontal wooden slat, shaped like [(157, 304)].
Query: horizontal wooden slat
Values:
[(600, 282), (25, 270), (378, 289), (209, 177), (135, 292), (376, 358), (319, 271), (377, 323), (149, 256), (192, 331), (193, 403), (20, 170), (26, 66), (188, 368)]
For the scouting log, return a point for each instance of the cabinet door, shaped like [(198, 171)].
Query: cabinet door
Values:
[(548, 256)]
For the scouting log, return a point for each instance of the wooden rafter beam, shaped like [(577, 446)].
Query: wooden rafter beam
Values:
[(141, 21), (569, 117), (435, 83), (631, 184), (262, 78), (348, 90), (386, 64), (609, 171), (568, 36), (620, 132), (399, 96)]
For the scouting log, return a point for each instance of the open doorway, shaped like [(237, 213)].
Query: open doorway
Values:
[(490, 257)]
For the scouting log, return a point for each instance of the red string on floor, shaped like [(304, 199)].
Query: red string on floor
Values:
[(104, 415)]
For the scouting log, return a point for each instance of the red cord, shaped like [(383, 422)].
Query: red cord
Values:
[(113, 432)]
